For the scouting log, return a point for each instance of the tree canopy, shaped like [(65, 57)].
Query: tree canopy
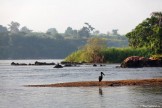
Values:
[(14, 27), (147, 34), (94, 49), (3, 29), (18, 42)]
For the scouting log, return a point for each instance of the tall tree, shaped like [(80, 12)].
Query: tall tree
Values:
[(69, 31), (89, 26), (96, 33), (59, 36), (52, 31), (14, 27), (94, 48), (158, 15), (159, 30), (147, 34), (3, 29), (25, 30), (75, 33), (84, 32)]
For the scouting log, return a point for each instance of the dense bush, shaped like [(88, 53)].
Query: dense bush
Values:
[(157, 56), (117, 55), (111, 55), (147, 34)]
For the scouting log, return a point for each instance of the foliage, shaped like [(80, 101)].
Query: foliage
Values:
[(69, 32), (25, 30), (91, 52), (84, 32), (93, 49), (157, 56), (147, 34), (158, 15), (52, 31), (14, 27), (3, 29), (23, 43), (78, 56), (35, 47), (111, 55), (117, 55), (40, 45)]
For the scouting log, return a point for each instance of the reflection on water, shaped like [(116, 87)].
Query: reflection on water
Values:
[(100, 91), (14, 95)]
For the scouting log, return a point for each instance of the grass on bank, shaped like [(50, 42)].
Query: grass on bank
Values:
[(111, 55)]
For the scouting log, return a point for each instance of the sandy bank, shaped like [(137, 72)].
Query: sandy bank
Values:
[(157, 81)]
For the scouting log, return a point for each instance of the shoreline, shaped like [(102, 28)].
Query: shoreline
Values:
[(135, 82)]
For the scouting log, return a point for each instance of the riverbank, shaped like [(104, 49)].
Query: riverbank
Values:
[(148, 82), (108, 55)]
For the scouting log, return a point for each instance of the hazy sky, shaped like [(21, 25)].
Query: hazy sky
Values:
[(104, 15)]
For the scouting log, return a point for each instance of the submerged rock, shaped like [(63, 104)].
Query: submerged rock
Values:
[(43, 63), (58, 66), (18, 64), (30, 64), (94, 65)]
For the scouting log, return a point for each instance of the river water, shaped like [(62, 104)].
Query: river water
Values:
[(13, 94)]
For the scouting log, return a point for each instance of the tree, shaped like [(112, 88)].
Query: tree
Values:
[(146, 34), (94, 49), (25, 30), (69, 31), (3, 29), (159, 33), (59, 36), (157, 15), (14, 27), (89, 26), (96, 33), (84, 32), (115, 32), (75, 33), (52, 31)]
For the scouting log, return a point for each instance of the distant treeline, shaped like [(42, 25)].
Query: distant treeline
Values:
[(22, 43), (144, 40), (18, 47)]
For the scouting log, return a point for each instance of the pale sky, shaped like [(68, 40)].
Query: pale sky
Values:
[(103, 15)]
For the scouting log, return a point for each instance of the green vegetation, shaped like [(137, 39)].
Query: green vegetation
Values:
[(117, 55), (145, 40), (157, 56), (23, 43), (95, 51), (148, 34), (33, 47), (111, 55), (89, 52)]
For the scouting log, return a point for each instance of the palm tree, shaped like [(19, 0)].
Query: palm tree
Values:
[(157, 15), (89, 26)]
